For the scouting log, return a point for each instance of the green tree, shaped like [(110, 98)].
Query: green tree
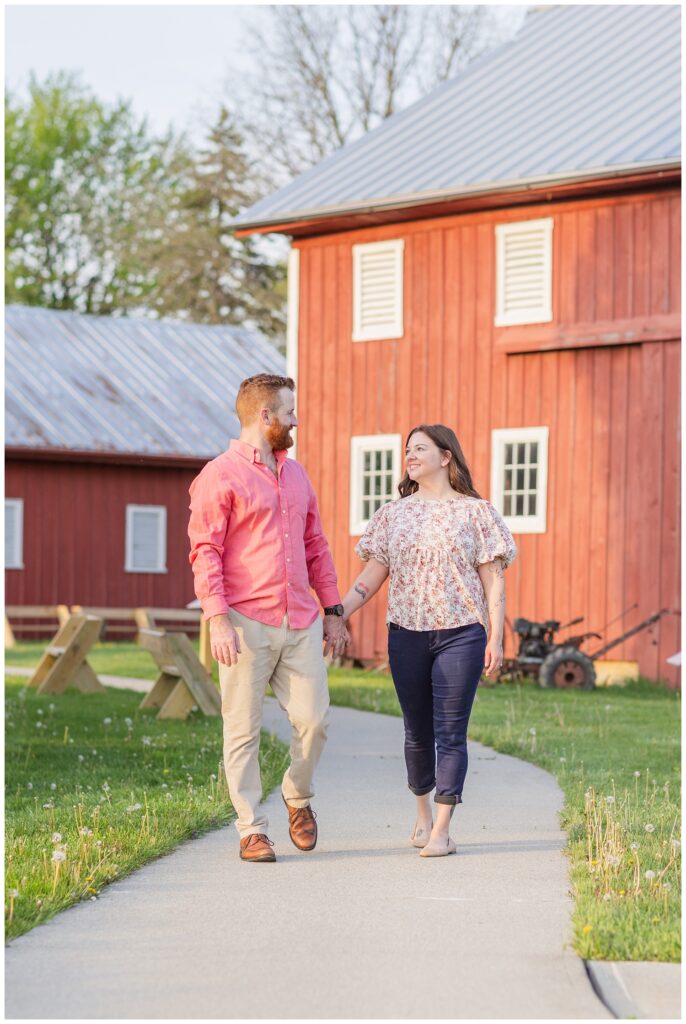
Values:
[(205, 273), (88, 196)]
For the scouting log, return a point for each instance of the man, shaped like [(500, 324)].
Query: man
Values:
[(257, 547)]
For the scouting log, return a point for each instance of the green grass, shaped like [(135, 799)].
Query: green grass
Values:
[(594, 743), (107, 785), (616, 754)]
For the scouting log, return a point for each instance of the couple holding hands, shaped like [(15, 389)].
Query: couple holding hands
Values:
[(257, 547)]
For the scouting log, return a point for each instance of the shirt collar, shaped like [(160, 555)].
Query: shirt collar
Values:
[(252, 454)]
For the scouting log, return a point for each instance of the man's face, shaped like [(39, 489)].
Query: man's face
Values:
[(283, 419)]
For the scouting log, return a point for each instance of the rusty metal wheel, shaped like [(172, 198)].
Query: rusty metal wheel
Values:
[(567, 668)]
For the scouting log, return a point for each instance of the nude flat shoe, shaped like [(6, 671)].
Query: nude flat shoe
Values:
[(438, 848), (420, 836)]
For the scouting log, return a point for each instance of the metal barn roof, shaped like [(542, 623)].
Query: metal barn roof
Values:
[(105, 384), (581, 90)]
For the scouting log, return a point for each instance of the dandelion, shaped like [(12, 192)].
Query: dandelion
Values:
[(532, 732), (164, 786), (650, 875), (587, 928), (98, 842), (650, 828), (56, 837), (607, 897), (94, 753), (39, 725), (58, 856), (608, 707), (81, 758), (53, 785), (134, 807), (637, 775), (613, 861), (666, 886), (128, 722), (52, 707), (563, 760), (85, 832), (29, 785), (107, 721), (168, 796), (48, 806), (676, 844), (39, 711), (147, 741), (105, 786), (635, 846), (609, 799)]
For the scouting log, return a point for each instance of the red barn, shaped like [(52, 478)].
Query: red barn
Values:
[(107, 422), (504, 257)]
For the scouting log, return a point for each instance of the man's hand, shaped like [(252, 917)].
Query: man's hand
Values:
[(224, 640), (494, 657), (336, 635)]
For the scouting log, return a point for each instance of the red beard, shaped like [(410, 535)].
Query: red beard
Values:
[(279, 437)]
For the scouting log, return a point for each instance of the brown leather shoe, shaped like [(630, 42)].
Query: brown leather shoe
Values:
[(257, 847), (302, 827)]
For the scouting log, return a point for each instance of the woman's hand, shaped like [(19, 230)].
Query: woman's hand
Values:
[(494, 656)]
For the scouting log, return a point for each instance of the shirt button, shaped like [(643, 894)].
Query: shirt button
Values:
[(285, 534), (288, 559), (284, 511)]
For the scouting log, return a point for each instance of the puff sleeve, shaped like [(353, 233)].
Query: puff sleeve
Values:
[(374, 541), (492, 537)]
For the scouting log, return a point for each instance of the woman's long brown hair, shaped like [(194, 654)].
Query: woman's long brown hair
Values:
[(458, 471)]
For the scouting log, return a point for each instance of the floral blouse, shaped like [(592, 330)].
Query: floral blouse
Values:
[(432, 550)]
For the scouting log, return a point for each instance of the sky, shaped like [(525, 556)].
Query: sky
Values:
[(172, 61)]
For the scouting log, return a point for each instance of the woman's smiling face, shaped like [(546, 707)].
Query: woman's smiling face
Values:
[(423, 458)]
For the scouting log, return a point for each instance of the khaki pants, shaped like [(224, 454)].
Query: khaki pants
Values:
[(293, 662)]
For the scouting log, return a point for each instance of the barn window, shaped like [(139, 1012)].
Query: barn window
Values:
[(375, 473), (14, 533), (146, 538), (524, 272), (378, 290), (519, 477)]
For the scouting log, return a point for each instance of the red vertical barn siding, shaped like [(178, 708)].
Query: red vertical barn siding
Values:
[(74, 534), (612, 411)]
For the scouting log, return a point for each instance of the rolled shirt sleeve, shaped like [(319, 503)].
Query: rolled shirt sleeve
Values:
[(493, 538)]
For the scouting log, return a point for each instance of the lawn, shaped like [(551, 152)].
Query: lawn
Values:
[(94, 788), (616, 755)]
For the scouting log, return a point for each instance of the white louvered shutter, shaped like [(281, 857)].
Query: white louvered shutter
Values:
[(378, 290), (14, 514), (146, 541), (524, 277)]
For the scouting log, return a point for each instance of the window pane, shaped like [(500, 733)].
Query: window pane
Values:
[(507, 505), (533, 452), (377, 460), (389, 485), (366, 507), (521, 453), (367, 461), (377, 485), (508, 479), (365, 485), (533, 477), (389, 460), (508, 454), (520, 479), (519, 507), (532, 504)]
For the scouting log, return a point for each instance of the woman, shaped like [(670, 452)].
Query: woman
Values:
[(445, 549)]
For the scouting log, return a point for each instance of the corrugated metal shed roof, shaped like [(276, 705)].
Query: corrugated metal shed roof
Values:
[(90, 383), (581, 89)]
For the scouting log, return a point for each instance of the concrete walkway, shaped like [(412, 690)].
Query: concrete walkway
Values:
[(362, 927)]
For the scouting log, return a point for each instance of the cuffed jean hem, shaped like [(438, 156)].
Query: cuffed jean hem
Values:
[(421, 792), (438, 799)]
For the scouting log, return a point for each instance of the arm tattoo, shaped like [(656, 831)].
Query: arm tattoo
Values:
[(496, 567), (362, 590), (499, 601)]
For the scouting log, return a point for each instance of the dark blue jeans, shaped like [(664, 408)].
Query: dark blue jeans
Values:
[(436, 673)]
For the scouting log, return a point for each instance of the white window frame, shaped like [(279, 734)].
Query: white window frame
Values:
[(359, 445), (534, 315), (17, 556), (520, 435), (395, 329), (161, 566)]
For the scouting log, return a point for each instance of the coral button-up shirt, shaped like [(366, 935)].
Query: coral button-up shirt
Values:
[(256, 540)]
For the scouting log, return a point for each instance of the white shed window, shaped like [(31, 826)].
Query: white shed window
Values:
[(146, 538), (375, 462), (519, 477), (524, 272), (378, 290), (14, 533)]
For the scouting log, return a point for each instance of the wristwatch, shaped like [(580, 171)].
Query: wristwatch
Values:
[(335, 609)]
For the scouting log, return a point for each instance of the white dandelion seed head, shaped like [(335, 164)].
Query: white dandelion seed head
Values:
[(128, 722), (609, 799), (81, 758), (39, 725), (147, 741), (133, 807), (98, 842), (57, 837), (532, 732), (608, 707), (59, 855), (676, 844), (649, 875), (607, 896), (164, 786), (637, 775), (39, 711), (94, 753), (85, 832), (635, 846), (667, 886), (53, 785), (48, 806), (29, 785), (563, 760), (613, 861), (168, 796), (650, 828)]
